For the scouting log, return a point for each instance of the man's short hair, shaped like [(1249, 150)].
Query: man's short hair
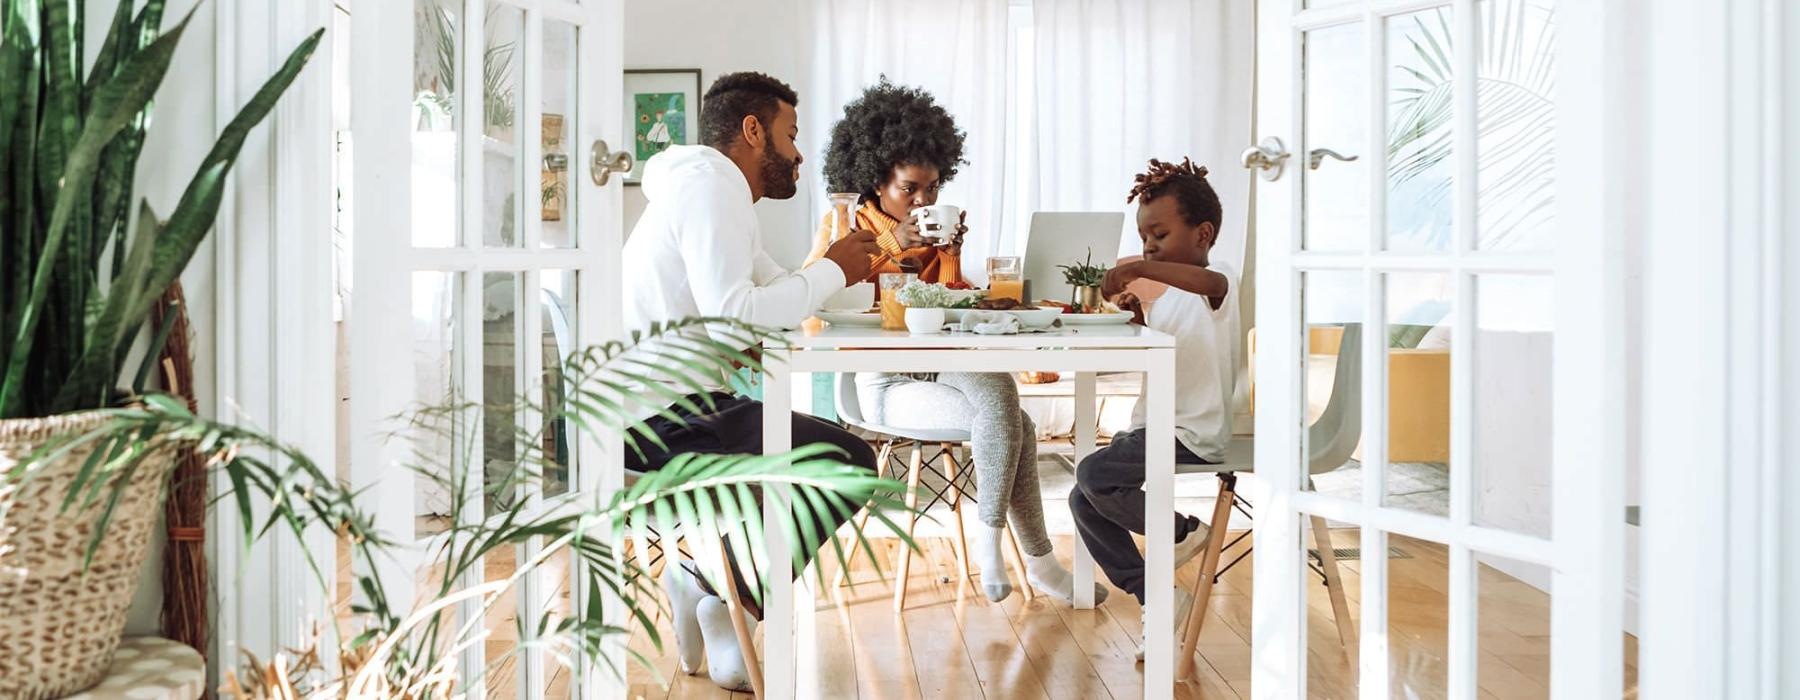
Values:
[(735, 96)]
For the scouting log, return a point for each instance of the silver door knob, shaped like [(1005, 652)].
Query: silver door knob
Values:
[(1316, 156), (605, 162), (1270, 157)]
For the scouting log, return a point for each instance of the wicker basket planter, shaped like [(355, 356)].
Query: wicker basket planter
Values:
[(59, 623)]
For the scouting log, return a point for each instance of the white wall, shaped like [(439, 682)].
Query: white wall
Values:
[(180, 136), (718, 38)]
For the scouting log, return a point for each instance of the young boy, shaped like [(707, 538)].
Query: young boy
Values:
[(1178, 220)]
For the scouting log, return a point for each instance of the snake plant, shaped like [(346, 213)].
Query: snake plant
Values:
[(78, 275)]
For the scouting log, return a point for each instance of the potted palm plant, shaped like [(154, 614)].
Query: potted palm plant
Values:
[(79, 277), (703, 500)]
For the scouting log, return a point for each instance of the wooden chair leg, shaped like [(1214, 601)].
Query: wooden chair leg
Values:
[(902, 572), (1334, 585), (862, 519), (735, 606), (1209, 568), (951, 468), (1019, 561)]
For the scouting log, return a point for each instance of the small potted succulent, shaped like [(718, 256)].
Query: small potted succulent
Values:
[(925, 303), (1085, 277)]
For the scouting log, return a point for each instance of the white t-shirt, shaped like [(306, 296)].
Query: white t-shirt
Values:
[(1205, 366)]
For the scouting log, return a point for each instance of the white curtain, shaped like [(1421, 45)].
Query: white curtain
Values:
[(1121, 81), (955, 49)]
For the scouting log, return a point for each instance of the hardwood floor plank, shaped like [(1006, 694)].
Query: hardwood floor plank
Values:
[(951, 643)]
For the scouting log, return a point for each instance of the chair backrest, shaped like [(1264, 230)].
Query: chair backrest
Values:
[(1334, 436), (1064, 237), (849, 407)]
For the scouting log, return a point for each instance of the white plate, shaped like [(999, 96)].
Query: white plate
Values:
[(850, 318), (1116, 318)]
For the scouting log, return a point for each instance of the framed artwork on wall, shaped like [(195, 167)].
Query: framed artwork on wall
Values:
[(662, 107)]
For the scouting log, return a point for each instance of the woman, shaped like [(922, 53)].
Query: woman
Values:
[(896, 147)]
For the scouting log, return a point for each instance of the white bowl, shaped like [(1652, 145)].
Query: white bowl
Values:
[(924, 321), (1036, 319), (854, 298)]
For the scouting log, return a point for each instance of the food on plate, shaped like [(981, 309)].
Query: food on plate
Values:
[(999, 304), (958, 284), (1047, 303), (1039, 377)]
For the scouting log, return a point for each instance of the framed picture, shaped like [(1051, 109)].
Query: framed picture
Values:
[(662, 107)]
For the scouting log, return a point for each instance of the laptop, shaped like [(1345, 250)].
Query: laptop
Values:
[(1064, 238)]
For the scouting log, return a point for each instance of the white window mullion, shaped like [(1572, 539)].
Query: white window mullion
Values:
[(1372, 672), (530, 127), (470, 134), (533, 596)]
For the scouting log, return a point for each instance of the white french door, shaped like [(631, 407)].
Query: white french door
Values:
[(1413, 202), (486, 249)]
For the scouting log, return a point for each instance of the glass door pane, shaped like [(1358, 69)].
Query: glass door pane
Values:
[(1337, 98), (1516, 125), (558, 94), (502, 145), (1421, 131), (437, 42), (1417, 339)]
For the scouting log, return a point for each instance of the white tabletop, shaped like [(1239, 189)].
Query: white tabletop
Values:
[(1124, 336)]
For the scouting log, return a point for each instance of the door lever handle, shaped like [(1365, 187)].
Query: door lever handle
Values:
[(1316, 156), (1268, 157), (603, 162)]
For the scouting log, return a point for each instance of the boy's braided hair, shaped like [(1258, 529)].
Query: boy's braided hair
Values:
[(1187, 182)]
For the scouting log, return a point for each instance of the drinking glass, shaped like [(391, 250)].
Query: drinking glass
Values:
[(843, 209), (893, 314), (1005, 278)]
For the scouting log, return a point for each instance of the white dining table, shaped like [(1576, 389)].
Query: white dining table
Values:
[(790, 650)]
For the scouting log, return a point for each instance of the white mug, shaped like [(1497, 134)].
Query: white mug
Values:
[(938, 223)]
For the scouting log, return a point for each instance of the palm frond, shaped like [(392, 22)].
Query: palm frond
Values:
[(1515, 116)]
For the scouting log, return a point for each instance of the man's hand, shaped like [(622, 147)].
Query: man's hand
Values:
[(1118, 277), (852, 254), (1130, 302)]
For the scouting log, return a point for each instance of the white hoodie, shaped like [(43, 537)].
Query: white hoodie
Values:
[(697, 250)]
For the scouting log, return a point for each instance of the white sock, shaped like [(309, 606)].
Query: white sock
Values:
[(724, 660), (684, 593), (1049, 576), (992, 562)]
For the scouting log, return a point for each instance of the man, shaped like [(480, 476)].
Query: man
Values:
[(698, 251)]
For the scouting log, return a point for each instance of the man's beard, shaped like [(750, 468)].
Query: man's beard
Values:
[(779, 175)]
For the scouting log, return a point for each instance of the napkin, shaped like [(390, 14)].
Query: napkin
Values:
[(989, 323)]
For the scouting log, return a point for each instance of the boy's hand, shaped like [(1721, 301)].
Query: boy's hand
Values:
[(1118, 277), (1130, 302)]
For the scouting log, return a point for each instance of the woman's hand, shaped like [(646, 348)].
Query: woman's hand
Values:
[(908, 235), (1130, 302), (1117, 278), (954, 245)]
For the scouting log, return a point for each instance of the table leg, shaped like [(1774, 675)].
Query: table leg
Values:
[(778, 607), (1084, 446), (806, 594), (1159, 526)]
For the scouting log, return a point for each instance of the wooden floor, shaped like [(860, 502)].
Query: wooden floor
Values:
[(953, 643)]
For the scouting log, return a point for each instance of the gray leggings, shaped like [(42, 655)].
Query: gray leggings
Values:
[(1002, 438)]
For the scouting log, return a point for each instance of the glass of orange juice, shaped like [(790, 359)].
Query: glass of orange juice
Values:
[(1006, 278), (893, 314)]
